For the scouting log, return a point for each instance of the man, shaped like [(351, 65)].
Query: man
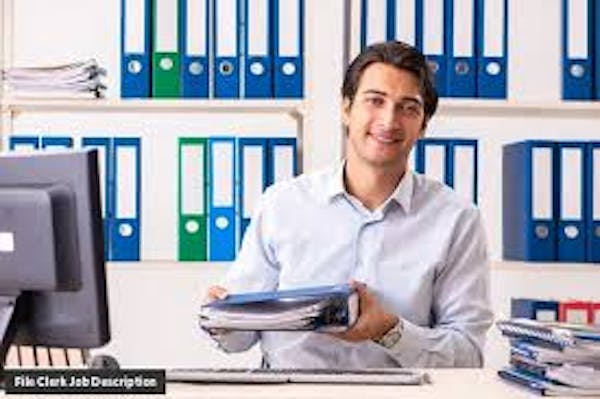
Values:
[(415, 251)]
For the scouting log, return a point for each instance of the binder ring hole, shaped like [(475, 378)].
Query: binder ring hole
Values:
[(134, 67), (577, 71), (221, 222), (434, 67), (192, 226), (571, 232), (461, 68), (493, 68), (195, 68), (597, 231), (125, 230), (166, 64), (226, 68), (288, 68), (542, 232), (256, 68)]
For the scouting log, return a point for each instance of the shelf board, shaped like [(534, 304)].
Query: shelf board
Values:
[(505, 265), (169, 266), (503, 108), (293, 107)]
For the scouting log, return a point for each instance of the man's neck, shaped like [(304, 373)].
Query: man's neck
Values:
[(371, 185)]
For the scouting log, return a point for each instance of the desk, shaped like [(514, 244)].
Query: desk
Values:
[(447, 383)]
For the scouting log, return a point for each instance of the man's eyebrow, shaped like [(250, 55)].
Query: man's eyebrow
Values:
[(416, 98), (375, 91)]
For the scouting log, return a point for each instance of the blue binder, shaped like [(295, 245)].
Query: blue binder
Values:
[(592, 189), (194, 48), (226, 48), (534, 309), (56, 142), (435, 19), (407, 23), (596, 40), (104, 147), (23, 143), (135, 48), (462, 168), (221, 191), (528, 201), (258, 71), (492, 48), (577, 33), (282, 160), (252, 177), (377, 21), (432, 158), (288, 35), (460, 42), (571, 230), (126, 201)]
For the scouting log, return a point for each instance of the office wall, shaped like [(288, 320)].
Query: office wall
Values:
[(153, 303)]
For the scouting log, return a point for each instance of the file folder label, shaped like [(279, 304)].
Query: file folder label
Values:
[(258, 31), (406, 17), (192, 182), (375, 21), (227, 28), (577, 34), (542, 187), (433, 27), (222, 175), (125, 187), (283, 163), (493, 33), (462, 25), (254, 178), (135, 31), (435, 162), (464, 172), (166, 30), (571, 190)]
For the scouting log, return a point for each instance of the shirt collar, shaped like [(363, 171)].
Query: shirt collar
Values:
[(402, 195)]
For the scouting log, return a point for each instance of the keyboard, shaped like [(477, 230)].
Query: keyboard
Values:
[(306, 376)]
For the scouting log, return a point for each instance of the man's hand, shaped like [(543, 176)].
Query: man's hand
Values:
[(215, 292), (373, 321)]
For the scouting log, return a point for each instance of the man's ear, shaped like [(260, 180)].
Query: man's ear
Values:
[(346, 105)]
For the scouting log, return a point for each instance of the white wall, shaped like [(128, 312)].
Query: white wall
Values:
[(153, 303)]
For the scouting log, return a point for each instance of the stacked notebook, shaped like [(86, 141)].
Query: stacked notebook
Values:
[(79, 79), (324, 308), (553, 358)]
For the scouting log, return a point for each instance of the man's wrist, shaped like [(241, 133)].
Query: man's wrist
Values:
[(391, 337)]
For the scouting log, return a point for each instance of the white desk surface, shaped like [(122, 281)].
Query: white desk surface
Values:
[(447, 383)]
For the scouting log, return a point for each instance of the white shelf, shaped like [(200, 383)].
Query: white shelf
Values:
[(293, 107), (543, 267), (503, 108), (168, 266)]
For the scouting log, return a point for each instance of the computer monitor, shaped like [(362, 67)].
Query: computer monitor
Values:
[(52, 272)]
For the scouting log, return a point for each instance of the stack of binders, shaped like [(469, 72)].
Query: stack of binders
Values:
[(553, 358), (465, 41), (73, 80), (212, 48), (324, 308), (551, 201)]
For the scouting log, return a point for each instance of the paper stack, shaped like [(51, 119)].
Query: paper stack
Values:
[(553, 358), (328, 308), (79, 79)]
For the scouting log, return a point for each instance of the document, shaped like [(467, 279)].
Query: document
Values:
[(323, 308)]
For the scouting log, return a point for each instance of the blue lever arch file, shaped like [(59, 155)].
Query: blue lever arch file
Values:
[(460, 39), (194, 48), (577, 33), (528, 200), (136, 20), (258, 57), (492, 45), (288, 34)]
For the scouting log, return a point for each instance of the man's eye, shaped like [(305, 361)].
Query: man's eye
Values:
[(375, 101)]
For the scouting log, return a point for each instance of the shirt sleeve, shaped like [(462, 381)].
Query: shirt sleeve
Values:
[(461, 306), (255, 269)]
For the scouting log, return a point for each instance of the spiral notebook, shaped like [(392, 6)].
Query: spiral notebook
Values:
[(555, 335)]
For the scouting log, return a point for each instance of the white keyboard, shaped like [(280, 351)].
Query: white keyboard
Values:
[(306, 376)]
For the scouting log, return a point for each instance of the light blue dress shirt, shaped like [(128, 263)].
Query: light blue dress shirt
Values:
[(423, 253)]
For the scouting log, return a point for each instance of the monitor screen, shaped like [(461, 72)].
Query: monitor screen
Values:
[(51, 251)]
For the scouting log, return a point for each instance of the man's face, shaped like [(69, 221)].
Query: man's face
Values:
[(386, 117)]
